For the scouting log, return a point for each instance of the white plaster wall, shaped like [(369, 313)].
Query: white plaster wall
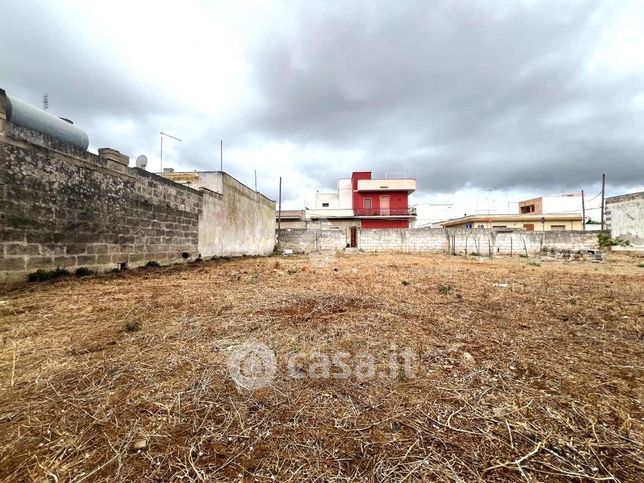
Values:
[(239, 222), (345, 193), (330, 198), (625, 216), (561, 204)]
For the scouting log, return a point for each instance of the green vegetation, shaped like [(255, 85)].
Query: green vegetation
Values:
[(83, 272), (153, 264), (444, 289), (44, 275), (605, 240), (534, 264), (641, 264)]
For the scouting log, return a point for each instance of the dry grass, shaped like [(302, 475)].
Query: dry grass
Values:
[(550, 388)]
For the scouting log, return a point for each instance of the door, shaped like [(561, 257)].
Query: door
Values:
[(353, 237), (384, 205), (529, 226)]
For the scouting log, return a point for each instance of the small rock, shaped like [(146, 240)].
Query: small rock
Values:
[(140, 444), (501, 411), (468, 359)]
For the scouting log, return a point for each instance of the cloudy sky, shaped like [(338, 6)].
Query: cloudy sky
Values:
[(483, 102)]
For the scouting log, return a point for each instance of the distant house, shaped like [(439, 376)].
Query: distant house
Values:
[(360, 201), (566, 203), (545, 213), (291, 219), (528, 222)]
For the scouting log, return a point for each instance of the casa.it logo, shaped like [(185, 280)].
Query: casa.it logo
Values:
[(251, 365)]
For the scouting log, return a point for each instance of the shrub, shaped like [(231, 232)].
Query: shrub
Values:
[(641, 264), (605, 240), (153, 264), (444, 289), (405, 282), (41, 275), (84, 272), (534, 264)]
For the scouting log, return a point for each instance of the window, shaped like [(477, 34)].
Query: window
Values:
[(558, 227), (499, 226), (527, 209), (325, 205), (366, 203)]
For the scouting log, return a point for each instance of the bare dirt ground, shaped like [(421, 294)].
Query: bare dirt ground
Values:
[(522, 372)]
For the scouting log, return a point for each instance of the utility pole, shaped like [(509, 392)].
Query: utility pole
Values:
[(161, 134), (279, 209), (221, 156), (603, 198), (583, 212), (255, 181)]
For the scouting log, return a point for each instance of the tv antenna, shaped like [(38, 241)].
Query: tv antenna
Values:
[(161, 134)]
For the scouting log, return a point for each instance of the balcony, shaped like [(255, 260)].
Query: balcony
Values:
[(391, 212)]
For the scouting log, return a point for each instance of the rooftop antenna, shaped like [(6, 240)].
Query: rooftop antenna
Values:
[(45, 102), (161, 134)]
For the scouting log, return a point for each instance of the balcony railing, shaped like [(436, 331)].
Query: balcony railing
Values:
[(385, 211)]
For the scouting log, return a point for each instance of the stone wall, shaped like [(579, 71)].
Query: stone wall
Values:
[(61, 206), (303, 240), (440, 240), (625, 217)]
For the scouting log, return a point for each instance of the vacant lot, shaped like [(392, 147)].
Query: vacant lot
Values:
[(519, 372)]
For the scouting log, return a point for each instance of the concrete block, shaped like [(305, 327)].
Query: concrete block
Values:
[(22, 249), (12, 263), (40, 262), (65, 261), (86, 260)]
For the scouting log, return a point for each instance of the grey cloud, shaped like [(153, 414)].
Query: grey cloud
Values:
[(40, 52), (483, 92)]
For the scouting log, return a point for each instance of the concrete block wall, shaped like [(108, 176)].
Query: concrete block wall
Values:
[(440, 240), (405, 240), (61, 206), (69, 209), (303, 240), (492, 242)]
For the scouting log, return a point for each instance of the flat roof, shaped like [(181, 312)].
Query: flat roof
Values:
[(510, 217)]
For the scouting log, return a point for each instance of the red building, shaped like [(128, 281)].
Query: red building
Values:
[(381, 203), (359, 202)]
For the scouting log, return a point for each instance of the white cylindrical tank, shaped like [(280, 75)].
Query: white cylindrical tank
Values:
[(26, 115)]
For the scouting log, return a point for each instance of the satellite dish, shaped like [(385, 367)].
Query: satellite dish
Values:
[(141, 161)]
